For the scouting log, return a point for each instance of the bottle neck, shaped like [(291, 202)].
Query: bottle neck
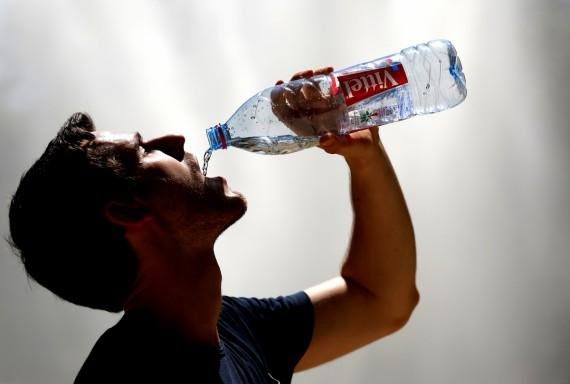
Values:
[(218, 136)]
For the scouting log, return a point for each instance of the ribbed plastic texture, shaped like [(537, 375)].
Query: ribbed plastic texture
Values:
[(285, 118)]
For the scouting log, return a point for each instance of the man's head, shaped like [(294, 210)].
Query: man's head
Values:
[(70, 213)]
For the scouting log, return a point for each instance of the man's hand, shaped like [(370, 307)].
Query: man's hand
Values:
[(305, 107), (309, 111), (357, 147)]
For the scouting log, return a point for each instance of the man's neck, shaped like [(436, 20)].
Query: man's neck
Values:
[(179, 283)]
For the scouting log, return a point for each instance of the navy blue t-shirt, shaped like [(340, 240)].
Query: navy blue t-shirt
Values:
[(261, 342)]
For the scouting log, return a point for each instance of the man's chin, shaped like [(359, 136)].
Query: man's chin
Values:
[(239, 203), (233, 204), (234, 209), (219, 185), (228, 205)]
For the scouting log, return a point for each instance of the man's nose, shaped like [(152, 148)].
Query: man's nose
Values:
[(172, 145)]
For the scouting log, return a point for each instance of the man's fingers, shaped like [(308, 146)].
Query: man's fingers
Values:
[(310, 73), (330, 142), (312, 98), (323, 71), (302, 75)]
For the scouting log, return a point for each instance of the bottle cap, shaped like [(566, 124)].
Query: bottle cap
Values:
[(218, 136)]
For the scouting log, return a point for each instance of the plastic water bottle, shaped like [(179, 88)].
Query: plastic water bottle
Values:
[(286, 118)]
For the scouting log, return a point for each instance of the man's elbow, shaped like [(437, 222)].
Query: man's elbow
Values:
[(400, 315), (403, 315)]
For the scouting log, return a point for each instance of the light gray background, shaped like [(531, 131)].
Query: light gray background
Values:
[(487, 183)]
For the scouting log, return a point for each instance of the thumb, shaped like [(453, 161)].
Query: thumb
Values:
[(332, 143)]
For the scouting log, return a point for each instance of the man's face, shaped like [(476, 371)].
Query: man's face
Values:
[(175, 190)]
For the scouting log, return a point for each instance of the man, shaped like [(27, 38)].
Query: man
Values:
[(114, 222)]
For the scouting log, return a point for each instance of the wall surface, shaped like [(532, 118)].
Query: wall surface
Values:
[(487, 183)]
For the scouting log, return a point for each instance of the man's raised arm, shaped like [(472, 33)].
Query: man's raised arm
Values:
[(376, 292)]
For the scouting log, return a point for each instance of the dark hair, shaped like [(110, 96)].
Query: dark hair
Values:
[(57, 222)]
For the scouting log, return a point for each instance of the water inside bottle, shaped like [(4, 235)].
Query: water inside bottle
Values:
[(275, 145), (267, 145)]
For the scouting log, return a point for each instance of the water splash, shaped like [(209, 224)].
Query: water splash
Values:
[(207, 156)]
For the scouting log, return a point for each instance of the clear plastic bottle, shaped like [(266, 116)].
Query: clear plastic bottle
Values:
[(286, 118)]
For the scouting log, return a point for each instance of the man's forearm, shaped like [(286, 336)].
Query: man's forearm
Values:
[(382, 254)]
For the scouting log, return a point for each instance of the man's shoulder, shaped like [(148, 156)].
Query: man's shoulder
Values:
[(103, 358), (259, 306), (135, 351), (260, 318), (278, 329)]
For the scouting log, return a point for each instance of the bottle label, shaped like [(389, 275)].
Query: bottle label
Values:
[(362, 85)]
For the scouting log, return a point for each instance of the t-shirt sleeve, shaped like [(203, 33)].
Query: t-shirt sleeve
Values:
[(282, 327)]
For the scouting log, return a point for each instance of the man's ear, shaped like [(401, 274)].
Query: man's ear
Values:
[(126, 214)]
